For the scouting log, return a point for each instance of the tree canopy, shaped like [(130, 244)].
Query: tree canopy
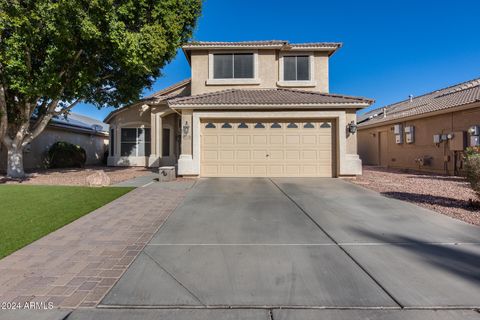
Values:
[(56, 53)]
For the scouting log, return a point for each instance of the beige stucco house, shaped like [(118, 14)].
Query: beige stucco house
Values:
[(427, 133), (88, 133), (250, 109)]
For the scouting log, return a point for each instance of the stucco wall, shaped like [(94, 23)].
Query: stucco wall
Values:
[(34, 156), (268, 72), (404, 155)]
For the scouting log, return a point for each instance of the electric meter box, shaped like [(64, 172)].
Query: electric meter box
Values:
[(475, 131), (397, 129), (410, 134), (398, 139), (437, 138), (474, 141)]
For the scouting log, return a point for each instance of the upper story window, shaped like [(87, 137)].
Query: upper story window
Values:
[(233, 66), (296, 68)]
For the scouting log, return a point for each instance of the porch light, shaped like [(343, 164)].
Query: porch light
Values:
[(352, 127), (186, 128)]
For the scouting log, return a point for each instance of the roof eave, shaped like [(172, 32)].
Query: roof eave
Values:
[(270, 106), (365, 124)]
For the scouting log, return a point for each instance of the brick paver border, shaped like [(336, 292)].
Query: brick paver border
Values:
[(78, 264)]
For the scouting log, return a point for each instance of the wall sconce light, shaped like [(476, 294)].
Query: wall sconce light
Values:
[(186, 128), (352, 127)]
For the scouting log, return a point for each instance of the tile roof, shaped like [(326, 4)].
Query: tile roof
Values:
[(274, 97), (265, 43), (157, 97), (450, 97)]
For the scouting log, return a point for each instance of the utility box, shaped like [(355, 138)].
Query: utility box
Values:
[(410, 134), (397, 129), (437, 138), (167, 174), (474, 141), (459, 141), (398, 138)]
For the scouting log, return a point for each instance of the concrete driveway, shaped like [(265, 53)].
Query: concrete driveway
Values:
[(299, 249)]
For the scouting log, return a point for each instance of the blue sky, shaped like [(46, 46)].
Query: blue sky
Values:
[(391, 48)]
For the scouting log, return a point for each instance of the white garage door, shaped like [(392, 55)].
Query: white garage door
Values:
[(256, 148)]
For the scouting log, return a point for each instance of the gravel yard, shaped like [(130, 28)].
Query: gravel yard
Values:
[(444, 194), (77, 176)]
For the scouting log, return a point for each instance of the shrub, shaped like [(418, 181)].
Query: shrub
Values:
[(472, 168), (64, 154)]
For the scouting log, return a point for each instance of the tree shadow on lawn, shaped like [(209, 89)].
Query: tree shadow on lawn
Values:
[(470, 205), (451, 258)]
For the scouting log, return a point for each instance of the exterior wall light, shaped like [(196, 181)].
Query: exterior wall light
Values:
[(352, 127), (186, 128)]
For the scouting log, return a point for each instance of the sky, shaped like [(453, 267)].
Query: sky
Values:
[(391, 49)]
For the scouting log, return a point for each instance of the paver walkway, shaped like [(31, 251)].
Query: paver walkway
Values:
[(77, 265)]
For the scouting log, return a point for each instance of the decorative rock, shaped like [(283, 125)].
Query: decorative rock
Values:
[(166, 174), (98, 179)]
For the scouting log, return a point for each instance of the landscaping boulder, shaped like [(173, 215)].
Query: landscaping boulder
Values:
[(98, 179)]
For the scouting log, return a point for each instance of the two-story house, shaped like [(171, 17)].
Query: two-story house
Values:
[(250, 109)]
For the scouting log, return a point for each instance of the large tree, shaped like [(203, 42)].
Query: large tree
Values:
[(57, 53)]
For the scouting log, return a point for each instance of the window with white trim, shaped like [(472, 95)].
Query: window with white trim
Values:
[(296, 68), (135, 142), (233, 66)]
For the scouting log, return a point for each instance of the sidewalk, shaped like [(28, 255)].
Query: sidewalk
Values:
[(77, 265)]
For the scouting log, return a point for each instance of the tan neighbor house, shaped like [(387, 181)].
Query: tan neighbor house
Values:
[(250, 109), (427, 133), (81, 130)]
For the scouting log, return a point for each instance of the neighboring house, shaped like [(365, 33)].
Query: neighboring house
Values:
[(250, 109), (89, 133), (428, 132)]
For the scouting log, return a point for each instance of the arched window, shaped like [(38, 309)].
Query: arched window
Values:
[(275, 125), (242, 125), (210, 126), (308, 125), (226, 125), (325, 125), (292, 125), (259, 125)]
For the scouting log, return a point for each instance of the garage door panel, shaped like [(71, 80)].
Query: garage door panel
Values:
[(243, 155), (210, 140), (276, 139), (226, 139), (275, 148), (227, 155), (243, 139), (309, 139), (292, 155), (292, 139), (260, 139)]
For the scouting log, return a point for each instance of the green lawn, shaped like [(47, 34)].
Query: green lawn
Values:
[(27, 213)]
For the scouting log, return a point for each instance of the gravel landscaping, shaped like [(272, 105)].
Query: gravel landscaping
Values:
[(77, 176), (448, 195)]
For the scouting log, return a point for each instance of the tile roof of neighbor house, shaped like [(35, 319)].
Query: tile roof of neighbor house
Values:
[(454, 96), (245, 98)]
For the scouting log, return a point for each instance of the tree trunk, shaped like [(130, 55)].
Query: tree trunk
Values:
[(15, 162)]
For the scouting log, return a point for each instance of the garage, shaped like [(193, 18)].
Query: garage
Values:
[(267, 148)]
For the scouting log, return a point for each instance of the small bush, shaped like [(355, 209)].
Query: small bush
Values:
[(64, 155), (472, 168)]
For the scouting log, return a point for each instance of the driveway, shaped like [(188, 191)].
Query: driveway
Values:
[(299, 249)]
